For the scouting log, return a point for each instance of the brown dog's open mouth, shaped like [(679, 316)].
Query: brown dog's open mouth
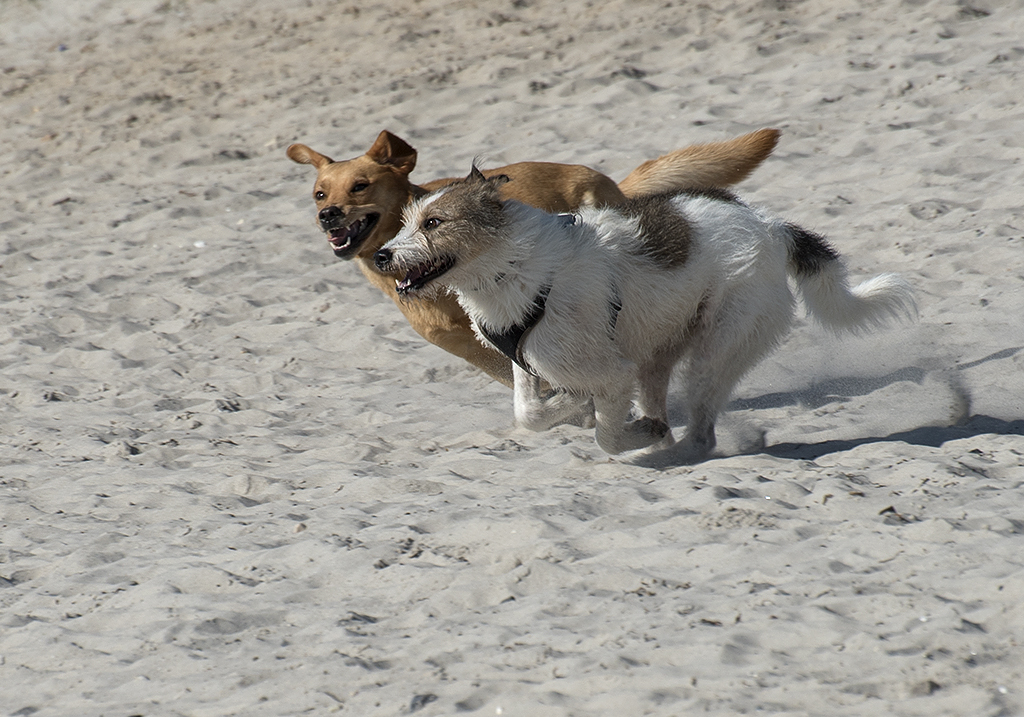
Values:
[(420, 276), (345, 241)]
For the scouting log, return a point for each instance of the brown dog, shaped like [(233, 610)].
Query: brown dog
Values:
[(360, 203)]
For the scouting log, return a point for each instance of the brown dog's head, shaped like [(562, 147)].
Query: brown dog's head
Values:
[(359, 201)]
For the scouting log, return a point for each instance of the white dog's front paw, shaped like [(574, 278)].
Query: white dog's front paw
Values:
[(633, 435)]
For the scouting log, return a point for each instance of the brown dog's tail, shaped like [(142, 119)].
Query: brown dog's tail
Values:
[(716, 164)]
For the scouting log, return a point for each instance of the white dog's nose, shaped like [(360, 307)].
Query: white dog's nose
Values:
[(382, 259)]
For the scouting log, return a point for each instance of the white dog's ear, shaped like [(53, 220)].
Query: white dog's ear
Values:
[(475, 176)]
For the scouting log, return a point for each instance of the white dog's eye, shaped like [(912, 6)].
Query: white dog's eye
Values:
[(431, 223)]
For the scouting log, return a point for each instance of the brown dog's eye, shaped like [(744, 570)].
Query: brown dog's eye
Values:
[(359, 187), (431, 223), (319, 196)]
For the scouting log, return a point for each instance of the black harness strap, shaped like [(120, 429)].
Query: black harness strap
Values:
[(510, 341), (614, 307)]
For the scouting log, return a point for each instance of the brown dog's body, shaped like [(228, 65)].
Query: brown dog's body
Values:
[(360, 203)]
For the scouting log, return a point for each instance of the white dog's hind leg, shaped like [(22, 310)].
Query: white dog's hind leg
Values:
[(719, 360), (708, 388), (536, 410)]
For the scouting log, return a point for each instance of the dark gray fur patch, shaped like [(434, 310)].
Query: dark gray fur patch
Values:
[(811, 252), (716, 193), (664, 232)]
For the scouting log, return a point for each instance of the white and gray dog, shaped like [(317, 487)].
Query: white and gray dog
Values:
[(604, 301)]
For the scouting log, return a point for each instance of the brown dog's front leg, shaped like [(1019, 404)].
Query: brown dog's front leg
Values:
[(494, 364), (442, 322), (462, 342)]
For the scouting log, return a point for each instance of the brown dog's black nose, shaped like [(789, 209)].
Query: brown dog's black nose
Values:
[(382, 258), (330, 215)]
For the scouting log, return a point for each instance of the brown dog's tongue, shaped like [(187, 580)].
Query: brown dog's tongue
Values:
[(344, 237)]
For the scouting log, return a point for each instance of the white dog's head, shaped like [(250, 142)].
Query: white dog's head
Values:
[(444, 234)]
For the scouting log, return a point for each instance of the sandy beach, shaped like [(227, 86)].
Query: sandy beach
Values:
[(234, 481)]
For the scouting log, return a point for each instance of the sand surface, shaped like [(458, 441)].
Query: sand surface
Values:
[(233, 481)]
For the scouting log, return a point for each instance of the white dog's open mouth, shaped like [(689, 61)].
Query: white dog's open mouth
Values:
[(420, 276), (347, 240)]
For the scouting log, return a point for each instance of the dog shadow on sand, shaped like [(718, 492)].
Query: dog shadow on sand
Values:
[(963, 423), (933, 436)]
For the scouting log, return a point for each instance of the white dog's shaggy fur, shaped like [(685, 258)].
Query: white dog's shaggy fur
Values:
[(608, 301)]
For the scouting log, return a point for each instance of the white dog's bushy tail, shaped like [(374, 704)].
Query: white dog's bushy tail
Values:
[(821, 278)]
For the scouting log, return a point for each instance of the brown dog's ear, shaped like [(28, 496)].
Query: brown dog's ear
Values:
[(304, 155), (393, 151)]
